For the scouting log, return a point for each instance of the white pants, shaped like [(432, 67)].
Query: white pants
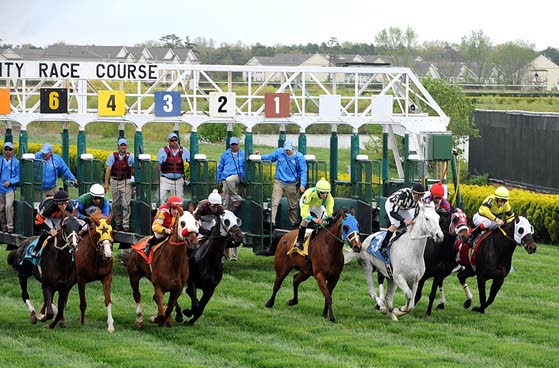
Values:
[(174, 187), (319, 211), (479, 219), (406, 214)]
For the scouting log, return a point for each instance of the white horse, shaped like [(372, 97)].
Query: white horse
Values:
[(406, 254)]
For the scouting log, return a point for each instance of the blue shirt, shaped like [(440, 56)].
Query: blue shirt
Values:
[(9, 171), (84, 205), (231, 164), (52, 169), (289, 169), (162, 156), (111, 159)]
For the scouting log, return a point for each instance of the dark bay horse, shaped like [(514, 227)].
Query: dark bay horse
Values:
[(94, 261), (325, 261), (494, 259), (169, 269), (56, 270), (206, 267)]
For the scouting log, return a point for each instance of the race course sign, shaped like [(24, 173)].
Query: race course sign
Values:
[(77, 70)]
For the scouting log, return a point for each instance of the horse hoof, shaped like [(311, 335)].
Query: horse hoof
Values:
[(428, 313), (139, 323), (179, 319), (33, 318), (468, 303), (49, 317), (377, 307), (62, 325), (440, 306), (111, 329), (153, 319), (291, 302), (394, 317), (383, 310), (268, 304), (41, 317), (478, 309)]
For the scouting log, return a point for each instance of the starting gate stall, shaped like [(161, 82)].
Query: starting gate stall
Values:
[(90, 171), (202, 177), (392, 97)]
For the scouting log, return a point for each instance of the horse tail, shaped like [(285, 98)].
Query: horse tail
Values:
[(349, 255), (124, 255)]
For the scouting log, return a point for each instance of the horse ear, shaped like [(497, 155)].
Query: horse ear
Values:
[(352, 211), (190, 207)]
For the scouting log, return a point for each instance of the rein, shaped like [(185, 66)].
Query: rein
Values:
[(510, 238), (349, 238)]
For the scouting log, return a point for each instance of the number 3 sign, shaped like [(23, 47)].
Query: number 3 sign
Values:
[(167, 103), (276, 105), (222, 104)]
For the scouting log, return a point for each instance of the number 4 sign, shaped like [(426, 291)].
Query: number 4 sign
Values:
[(111, 103), (276, 105), (222, 104), (167, 103)]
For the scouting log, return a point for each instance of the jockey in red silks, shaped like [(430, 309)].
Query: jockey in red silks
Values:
[(436, 195)]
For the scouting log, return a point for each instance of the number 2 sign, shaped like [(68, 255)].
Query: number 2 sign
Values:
[(276, 105), (222, 104), (111, 103)]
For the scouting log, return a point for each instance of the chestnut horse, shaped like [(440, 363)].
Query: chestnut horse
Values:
[(169, 269), (494, 259), (94, 261), (55, 270), (325, 261)]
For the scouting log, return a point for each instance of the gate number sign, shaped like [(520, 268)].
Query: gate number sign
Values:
[(167, 103), (223, 104), (54, 100), (4, 101), (276, 105), (111, 103)]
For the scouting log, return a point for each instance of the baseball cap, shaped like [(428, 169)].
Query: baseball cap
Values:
[(122, 141), (8, 144), (47, 148), (234, 140), (172, 135), (288, 145)]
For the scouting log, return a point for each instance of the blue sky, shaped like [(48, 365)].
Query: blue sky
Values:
[(125, 22)]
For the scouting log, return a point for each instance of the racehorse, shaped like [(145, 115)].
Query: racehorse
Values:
[(56, 270), (206, 268), (494, 259), (325, 260), (168, 271), (440, 260), (408, 265), (94, 261)]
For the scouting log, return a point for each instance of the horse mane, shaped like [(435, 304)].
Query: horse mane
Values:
[(97, 215)]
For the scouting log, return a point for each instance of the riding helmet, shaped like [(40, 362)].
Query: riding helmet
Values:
[(214, 197), (418, 188), (502, 193), (323, 185), (437, 189), (97, 190), (61, 196), (174, 201)]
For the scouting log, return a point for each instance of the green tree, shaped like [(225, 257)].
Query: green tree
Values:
[(512, 59), (217, 132), (457, 107), (476, 48), (397, 43), (171, 40)]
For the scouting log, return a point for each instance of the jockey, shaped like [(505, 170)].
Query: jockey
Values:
[(164, 220), (315, 203), (492, 208), (401, 208), (88, 203), (206, 212), (52, 211), (436, 196)]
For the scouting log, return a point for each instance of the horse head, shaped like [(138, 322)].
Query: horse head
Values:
[(523, 231), (69, 235), (427, 222), (102, 233), (187, 229), (458, 224), (231, 227), (350, 231)]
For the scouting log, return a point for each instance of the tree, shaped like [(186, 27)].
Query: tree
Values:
[(171, 40), (398, 44), (513, 58), (476, 48), (456, 106), (551, 53)]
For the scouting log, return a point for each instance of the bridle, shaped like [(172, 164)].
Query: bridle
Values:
[(70, 240)]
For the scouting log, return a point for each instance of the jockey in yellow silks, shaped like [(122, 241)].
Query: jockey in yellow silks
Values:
[(314, 203)]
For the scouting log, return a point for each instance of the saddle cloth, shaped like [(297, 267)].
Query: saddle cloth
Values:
[(374, 247), (141, 245), (305, 251), (28, 250), (467, 255)]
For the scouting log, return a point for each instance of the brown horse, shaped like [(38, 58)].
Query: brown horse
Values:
[(168, 271), (325, 261), (94, 261)]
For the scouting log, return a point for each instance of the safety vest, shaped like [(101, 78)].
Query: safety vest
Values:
[(120, 169), (173, 164)]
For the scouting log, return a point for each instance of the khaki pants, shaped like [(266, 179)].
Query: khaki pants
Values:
[(7, 210), (231, 197), (122, 193), (290, 191), (174, 187), (49, 192)]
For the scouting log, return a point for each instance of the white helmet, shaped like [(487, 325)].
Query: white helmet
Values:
[(97, 190), (214, 197)]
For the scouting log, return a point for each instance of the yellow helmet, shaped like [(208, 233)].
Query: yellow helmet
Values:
[(502, 193), (323, 186)]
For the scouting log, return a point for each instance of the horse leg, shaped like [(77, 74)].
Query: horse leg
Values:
[(420, 290), (408, 293), (482, 296), (25, 296), (194, 302), (48, 295), (462, 277), (390, 299), (173, 296), (107, 281), (62, 299), (83, 302), (297, 279), (368, 271), (158, 298), (281, 274), (179, 318), (432, 295), (202, 305), (442, 299), (331, 284), (135, 284), (495, 287)]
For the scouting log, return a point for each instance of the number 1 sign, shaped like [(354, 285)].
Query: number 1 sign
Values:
[(222, 104), (276, 105)]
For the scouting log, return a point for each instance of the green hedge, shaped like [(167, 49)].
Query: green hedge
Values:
[(542, 210)]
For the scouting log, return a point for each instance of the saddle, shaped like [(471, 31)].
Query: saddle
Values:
[(467, 255), (141, 245), (306, 242)]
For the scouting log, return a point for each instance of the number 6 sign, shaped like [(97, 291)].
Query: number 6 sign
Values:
[(276, 105), (222, 104), (54, 100)]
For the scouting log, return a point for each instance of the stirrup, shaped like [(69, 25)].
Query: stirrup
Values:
[(299, 246)]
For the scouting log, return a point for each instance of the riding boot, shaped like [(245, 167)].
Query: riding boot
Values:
[(300, 237), (150, 244), (39, 244), (384, 245), (475, 232)]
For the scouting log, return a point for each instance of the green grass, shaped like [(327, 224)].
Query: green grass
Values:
[(236, 330)]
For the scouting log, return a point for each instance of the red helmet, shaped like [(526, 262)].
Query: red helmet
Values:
[(437, 189), (174, 201)]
